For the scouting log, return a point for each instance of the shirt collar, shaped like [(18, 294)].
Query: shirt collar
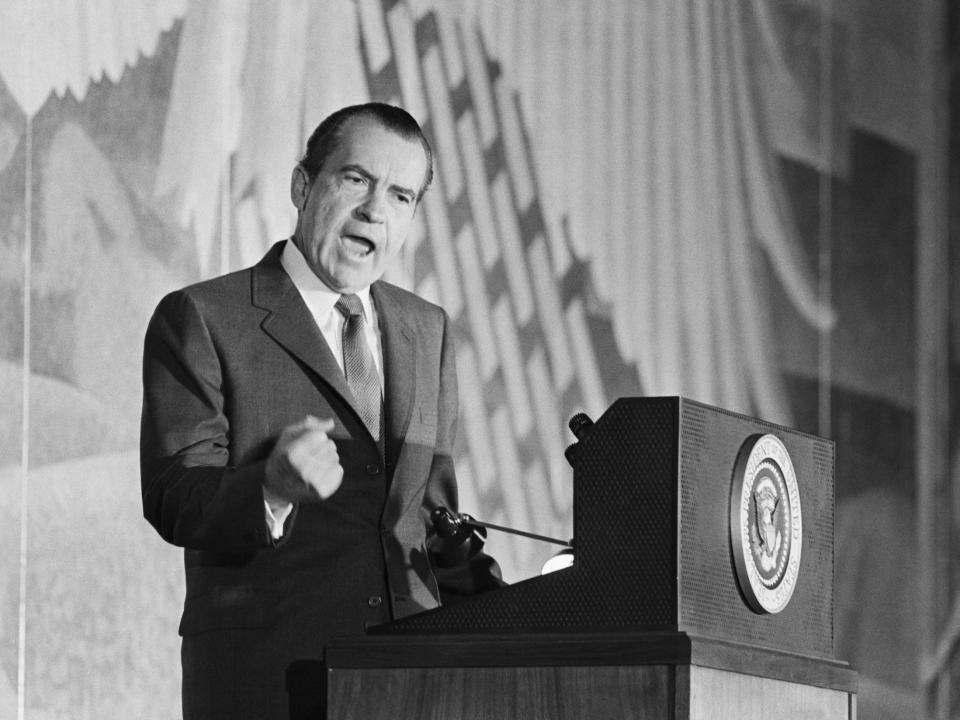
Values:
[(318, 297)]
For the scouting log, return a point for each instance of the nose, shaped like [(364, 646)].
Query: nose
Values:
[(373, 209)]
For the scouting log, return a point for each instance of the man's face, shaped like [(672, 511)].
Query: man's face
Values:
[(356, 214)]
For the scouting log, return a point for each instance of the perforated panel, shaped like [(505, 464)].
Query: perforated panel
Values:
[(710, 599)]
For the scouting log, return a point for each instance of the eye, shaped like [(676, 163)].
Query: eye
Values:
[(355, 179), (404, 199)]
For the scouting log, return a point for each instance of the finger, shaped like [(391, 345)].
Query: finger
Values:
[(325, 481), (313, 422), (317, 444), (312, 450)]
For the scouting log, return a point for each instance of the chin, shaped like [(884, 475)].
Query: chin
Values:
[(352, 284), (355, 279)]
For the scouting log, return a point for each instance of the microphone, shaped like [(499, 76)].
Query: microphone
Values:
[(460, 536), (450, 525), (581, 426), (462, 539)]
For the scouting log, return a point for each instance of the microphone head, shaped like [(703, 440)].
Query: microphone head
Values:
[(580, 425), (459, 538), (446, 523)]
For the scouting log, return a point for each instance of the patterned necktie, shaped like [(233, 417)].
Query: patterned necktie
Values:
[(358, 366)]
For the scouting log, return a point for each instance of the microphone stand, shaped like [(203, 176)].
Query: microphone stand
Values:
[(468, 520), (450, 525)]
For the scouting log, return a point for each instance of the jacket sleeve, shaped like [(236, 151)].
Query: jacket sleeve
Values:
[(465, 570), (191, 495)]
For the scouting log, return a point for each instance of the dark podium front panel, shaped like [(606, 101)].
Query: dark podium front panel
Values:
[(652, 493)]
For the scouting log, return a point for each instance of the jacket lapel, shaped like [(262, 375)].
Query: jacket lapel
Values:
[(290, 323), (399, 368)]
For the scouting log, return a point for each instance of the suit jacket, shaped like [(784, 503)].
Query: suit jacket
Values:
[(228, 363)]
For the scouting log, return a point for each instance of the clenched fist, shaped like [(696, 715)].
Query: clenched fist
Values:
[(304, 466)]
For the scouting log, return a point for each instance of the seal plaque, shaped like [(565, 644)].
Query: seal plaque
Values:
[(766, 524)]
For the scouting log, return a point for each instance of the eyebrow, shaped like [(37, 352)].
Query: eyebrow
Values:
[(353, 167)]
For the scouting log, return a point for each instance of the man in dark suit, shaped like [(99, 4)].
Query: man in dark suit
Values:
[(298, 426)]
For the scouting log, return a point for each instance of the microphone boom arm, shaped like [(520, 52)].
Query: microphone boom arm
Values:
[(449, 524), (512, 531)]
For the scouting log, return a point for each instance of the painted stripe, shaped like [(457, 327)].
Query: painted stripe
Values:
[(469, 499), (473, 162), (479, 78), (512, 365), (510, 472), (25, 417), (511, 244), (441, 245), (405, 55), (428, 288), (374, 34), (586, 363), (473, 414), (444, 131), (477, 303), (551, 429), (447, 32), (551, 316), (513, 144)]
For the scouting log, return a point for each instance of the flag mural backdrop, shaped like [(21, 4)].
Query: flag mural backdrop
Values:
[(630, 198)]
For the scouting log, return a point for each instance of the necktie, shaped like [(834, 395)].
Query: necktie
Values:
[(358, 365)]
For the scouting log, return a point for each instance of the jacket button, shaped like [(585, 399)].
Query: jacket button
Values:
[(374, 601), (373, 469)]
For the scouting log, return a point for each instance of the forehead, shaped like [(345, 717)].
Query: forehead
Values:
[(382, 152)]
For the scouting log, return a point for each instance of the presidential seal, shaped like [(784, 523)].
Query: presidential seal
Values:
[(766, 525)]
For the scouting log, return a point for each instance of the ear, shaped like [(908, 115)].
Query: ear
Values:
[(299, 187)]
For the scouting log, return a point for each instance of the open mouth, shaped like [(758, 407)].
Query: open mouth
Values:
[(357, 245)]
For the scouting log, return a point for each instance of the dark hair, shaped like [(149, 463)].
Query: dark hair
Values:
[(328, 134)]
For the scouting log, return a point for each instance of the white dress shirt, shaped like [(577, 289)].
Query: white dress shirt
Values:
[(320, 301)]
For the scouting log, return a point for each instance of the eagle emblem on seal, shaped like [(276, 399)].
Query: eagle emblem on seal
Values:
[(767, 536)]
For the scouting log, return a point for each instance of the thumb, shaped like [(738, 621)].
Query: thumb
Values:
[(311, 422)]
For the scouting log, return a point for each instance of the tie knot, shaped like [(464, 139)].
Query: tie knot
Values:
[(350, 305)]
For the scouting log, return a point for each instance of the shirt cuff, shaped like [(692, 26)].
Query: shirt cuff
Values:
[(276, 517)]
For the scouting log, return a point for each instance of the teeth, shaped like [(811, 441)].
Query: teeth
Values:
[(358, 246)]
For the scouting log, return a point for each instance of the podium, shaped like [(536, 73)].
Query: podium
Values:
[(702, 588)]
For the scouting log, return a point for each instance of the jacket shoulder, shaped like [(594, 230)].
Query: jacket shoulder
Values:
[(224, 289), (217, 286), (408, 301)]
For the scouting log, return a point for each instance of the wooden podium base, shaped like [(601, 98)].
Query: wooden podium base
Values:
[(563, 677), (712, 693)]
